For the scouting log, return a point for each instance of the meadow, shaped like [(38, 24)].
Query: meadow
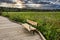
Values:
[(48, 22)]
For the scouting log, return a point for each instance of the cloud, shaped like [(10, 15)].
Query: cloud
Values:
[(8, 0)]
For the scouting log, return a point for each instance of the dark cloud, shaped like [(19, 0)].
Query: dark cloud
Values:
[(8, 1)]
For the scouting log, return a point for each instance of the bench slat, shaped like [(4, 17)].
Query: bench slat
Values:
[(28, 27), (32, 22)]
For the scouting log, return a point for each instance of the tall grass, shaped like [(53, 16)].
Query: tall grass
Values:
[(48, 22)]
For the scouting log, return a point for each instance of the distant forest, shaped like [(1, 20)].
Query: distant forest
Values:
[(4, 9)]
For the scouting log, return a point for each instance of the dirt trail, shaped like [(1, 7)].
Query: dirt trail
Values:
[(13, 31)]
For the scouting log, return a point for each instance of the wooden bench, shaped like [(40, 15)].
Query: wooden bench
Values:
[(29, 27)]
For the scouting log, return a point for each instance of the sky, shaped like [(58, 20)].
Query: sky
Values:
[(7, 0), (57, 5), (33, 0)]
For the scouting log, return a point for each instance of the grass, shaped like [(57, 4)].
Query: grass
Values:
[(48, 22)]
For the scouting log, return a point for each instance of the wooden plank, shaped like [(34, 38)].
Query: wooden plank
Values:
[(32, 22), (28, 27)]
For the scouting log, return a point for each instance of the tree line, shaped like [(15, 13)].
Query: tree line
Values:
[(6, 9)]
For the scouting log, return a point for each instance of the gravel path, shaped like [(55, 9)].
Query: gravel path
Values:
[(14, 31)]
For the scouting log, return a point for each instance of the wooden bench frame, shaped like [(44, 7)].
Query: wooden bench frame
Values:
[(29, 27)]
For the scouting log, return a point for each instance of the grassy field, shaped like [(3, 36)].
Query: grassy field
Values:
[(48, 22)]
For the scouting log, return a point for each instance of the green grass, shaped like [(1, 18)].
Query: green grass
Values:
[(48, 22)]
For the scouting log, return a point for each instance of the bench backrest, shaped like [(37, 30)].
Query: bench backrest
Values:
[(32, 22)]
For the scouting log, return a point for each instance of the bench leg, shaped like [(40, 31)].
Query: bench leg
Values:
[(33, 32)]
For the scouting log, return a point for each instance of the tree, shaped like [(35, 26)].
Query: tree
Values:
[(0, 10)]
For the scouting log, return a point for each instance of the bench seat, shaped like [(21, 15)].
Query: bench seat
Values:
[(28, 27)]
